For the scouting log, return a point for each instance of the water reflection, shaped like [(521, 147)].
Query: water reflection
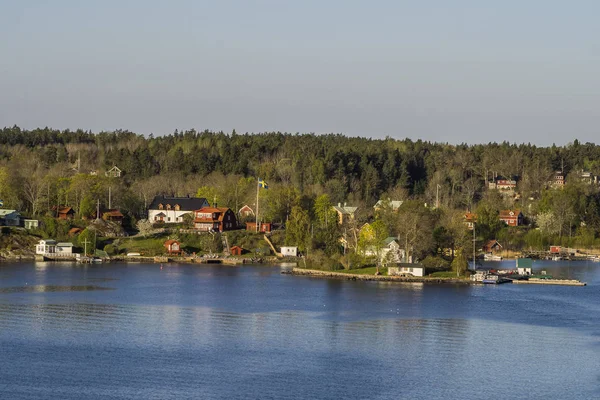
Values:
[(51, 288)]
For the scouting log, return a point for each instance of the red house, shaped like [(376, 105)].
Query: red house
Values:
[(173, 246), (511, 217), (215, 219), (555, 249), (113, 215), (246, 212)]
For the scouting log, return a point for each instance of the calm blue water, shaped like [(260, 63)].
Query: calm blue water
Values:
[(135, 331)]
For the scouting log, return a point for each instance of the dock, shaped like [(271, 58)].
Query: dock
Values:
[(538, 281)]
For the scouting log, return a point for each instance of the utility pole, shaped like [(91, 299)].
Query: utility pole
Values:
[(474, 266), (85, 243), (257, 189), (98, 210), (437, 196)]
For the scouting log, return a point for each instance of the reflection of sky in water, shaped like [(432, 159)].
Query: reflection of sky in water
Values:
[(253, 333)]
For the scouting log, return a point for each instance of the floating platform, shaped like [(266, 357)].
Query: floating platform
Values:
[(538, 281)]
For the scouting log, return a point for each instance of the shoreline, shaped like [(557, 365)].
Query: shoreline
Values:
[(381, 278)]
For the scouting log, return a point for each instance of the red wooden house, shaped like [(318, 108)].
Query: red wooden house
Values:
[(173, 246), (511, 217), (214, 219), (113, 215)]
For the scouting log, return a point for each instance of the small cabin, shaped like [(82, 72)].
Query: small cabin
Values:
[(173, 246), (265, 227), (407, 269), (236, 251), (31, 223)]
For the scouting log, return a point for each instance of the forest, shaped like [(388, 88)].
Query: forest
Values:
[(438, 182)]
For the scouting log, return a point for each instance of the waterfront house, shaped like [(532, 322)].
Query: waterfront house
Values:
[(31, 223), (10, 217), (114, 172), (407, 269), (492, 246), (64, 248), (170, 210), (555, 249), (45, 246), (64, 212), (511, 217), (265, 227), (289, 251), (214, 219), (524, 266), (344, 212), (173, 246)]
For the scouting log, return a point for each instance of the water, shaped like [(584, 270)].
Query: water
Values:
[(134, 331)]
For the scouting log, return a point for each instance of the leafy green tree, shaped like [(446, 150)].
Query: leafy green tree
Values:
[(298, 229)]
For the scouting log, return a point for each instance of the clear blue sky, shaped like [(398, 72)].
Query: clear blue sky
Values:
[(457, 71)]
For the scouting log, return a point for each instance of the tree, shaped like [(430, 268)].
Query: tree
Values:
[(297, 229), (324, 212)]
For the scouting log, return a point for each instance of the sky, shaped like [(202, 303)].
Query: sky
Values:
[(460, 71)]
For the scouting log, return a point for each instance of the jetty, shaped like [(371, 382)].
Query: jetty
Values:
[(542, 281)]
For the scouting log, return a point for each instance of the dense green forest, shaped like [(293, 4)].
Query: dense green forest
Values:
[(42, 168)]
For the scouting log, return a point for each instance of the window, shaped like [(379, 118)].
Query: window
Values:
[(168, 206), (160, 207), (169, 219), (177, 208)]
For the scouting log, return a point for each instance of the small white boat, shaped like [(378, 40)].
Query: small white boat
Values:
[(491, 257)]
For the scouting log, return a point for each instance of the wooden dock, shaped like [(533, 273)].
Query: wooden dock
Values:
[(538, 281)]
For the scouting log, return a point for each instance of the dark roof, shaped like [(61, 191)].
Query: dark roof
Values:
[(185, 203)]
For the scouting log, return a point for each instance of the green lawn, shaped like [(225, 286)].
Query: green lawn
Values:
[(364, 271), (446, 274)]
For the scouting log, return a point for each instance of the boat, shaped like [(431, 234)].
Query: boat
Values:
[(491, 257)]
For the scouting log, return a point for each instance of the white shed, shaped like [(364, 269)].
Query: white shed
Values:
[(407, 269), (289, 251), (64, 248)]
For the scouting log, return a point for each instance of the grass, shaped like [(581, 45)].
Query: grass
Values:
[(364, 271), (446, 274)]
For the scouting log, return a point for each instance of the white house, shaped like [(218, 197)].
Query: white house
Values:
[(289, 251), (393, 205), (10, 217), (524, 266), (170, 210), (49, 246), (407, 269), (114, 172), (46, 246), (391, 252)]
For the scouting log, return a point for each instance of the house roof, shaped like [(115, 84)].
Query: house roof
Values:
[(410, 265), (112, 213), (470, 216), (75, 230), (491, 243), (236, 247), (4, 212), (48, 241), (345, 209), (161, 214), (64, 210), (389, 240), (171, 241), (246, 207), (185, 203), (64, 244), (395, 204)]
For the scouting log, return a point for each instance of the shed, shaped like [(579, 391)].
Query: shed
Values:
[(289, 251), (236, 251), (265, 227), (524, 266), (64, 248), (173, 246), (31, 223), (407, 269)]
